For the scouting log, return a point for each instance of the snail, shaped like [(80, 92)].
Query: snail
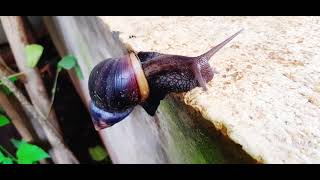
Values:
[(117, 85)]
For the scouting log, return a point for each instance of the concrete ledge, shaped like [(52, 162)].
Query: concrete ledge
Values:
[(267, 95)]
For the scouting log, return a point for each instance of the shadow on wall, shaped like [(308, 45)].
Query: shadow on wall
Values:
[(217, 142)]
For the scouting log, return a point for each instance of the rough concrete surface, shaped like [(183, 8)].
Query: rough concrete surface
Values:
[(267, 95)]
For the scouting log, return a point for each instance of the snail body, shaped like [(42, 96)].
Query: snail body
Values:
[(117, 85)]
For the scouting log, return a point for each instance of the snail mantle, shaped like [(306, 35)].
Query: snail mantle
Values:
[(266, 96)]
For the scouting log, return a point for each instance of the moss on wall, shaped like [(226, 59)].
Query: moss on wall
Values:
[(190, 140)]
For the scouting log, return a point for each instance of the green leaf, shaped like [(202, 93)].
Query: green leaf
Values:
[(79, 72), (2, 110), (67, 62), (17, 143), (5, 89), (33, 52), (13, 78), (98, 153), (7, 161), (2, 157), (29, 153), (3, 120)]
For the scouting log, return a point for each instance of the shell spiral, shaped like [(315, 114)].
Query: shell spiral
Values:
[(116, 86)]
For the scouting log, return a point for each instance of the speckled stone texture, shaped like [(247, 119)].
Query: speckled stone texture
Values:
[(267, 95)]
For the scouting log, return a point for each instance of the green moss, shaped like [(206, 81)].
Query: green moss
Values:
[(189, 142)]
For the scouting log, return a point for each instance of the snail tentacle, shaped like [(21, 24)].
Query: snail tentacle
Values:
[(216, 48), (197, 74)]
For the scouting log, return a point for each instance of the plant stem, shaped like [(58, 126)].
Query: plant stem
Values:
[(35, 114), (17, 118), (14, 111), (15, 75), (9, 154), (53, 91), (2, 62)]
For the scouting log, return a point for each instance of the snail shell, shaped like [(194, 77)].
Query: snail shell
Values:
[(116, 86)]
